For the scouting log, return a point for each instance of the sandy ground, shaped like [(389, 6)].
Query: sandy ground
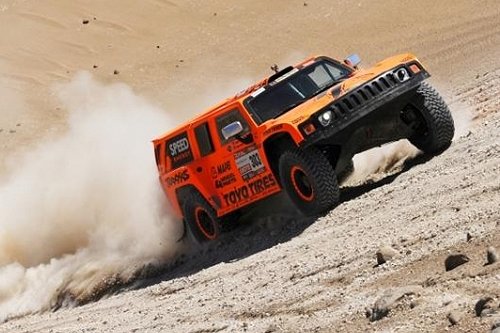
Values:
[(282, 273)]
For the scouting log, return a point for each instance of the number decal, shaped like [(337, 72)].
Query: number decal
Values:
[(255, 160), (249, 163)]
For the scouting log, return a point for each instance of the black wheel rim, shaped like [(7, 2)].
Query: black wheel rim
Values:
[(301, 183), (205, 223)]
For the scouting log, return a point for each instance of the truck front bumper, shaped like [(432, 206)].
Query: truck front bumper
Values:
[(376, 104)]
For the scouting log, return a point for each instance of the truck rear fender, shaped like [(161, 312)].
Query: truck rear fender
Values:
[(183, 192)]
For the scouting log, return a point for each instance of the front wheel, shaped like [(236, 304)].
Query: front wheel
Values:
[(436, 130), (309, 180), (201, 219)]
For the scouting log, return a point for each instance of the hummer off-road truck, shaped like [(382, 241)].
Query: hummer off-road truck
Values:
[(296, 131)]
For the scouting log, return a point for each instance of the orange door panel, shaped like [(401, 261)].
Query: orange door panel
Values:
[(241, 174)]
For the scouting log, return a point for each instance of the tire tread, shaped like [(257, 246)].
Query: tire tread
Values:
[(327, 190), (439, 121)]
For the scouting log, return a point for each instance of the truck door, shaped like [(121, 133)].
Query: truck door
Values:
[(241, 174)]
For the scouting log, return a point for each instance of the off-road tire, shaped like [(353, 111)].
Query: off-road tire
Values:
[(437, 129), (200, 218), (309, 180)]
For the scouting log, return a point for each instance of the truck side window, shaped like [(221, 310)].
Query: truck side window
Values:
[(204, 140), (228, 118)]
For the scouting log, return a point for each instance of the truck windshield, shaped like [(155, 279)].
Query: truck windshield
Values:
[(294, 88)]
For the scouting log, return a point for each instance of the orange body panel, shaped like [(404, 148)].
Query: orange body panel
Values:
[(235, 174)]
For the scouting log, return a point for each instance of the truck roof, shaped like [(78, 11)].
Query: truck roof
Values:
[(238, 97)]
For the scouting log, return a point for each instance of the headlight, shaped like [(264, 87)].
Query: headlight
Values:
[(325, 118), (402, 75)]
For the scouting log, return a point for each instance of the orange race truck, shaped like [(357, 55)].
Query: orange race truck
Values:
[(296, 131)]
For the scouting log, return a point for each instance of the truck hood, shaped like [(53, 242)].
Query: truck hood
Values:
[(311, 106)]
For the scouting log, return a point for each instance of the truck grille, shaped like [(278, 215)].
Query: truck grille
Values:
[(364, 94)]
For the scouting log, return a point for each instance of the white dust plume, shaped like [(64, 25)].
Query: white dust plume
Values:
[(376, 163), (83, 212)]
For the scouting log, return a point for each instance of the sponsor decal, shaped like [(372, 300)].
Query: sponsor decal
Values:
[(178, 178), (234, 145), (237, 195), (273, 129), (224, 167), (262, 184), (178, 146), (225, 181), (220, 169), (247, 191), (179, 150), (336, 91), (343, 88), (249, 163), (298, 120)]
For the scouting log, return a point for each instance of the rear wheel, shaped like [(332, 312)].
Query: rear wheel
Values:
[(436, 129), (309, 180), (201, 219)]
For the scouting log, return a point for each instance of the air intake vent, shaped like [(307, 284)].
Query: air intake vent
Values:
[(365, 93)]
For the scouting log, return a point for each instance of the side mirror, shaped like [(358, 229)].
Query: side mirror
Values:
[(353, 60), (232, 129)]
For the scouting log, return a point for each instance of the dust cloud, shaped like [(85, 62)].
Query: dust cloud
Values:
[(463, 116), (84, 212), (376, 163)]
